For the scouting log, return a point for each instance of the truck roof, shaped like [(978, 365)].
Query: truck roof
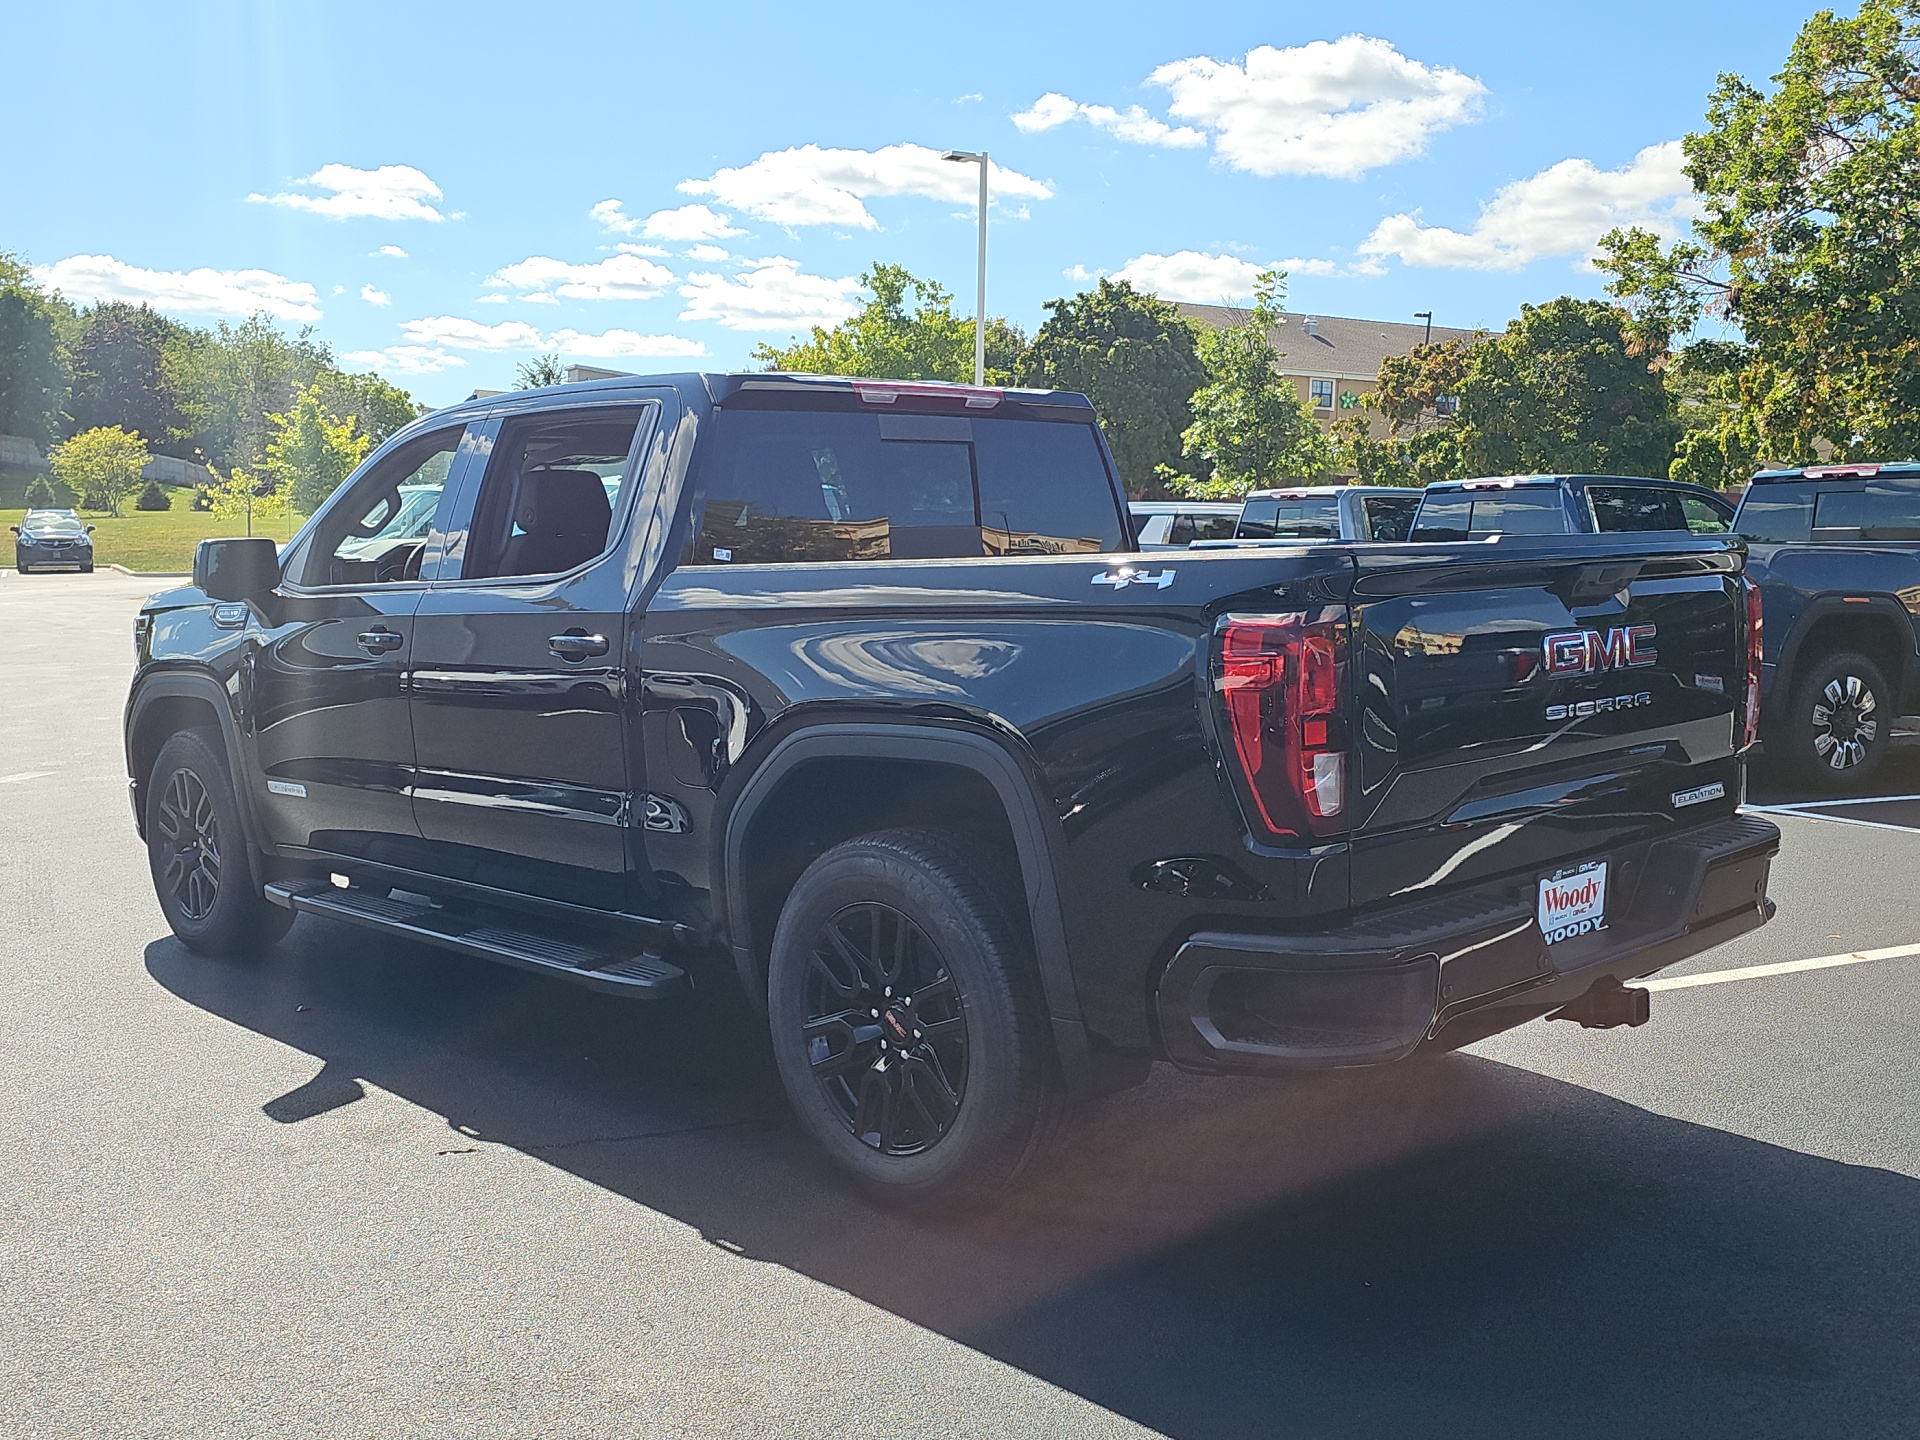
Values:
[(1891, 469), (1508, 482)]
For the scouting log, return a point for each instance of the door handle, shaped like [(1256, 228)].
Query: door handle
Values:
[(379, 641), (577, 647)]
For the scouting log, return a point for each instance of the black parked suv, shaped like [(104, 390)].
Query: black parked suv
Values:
[(52, 539), (1567, 505), (853, 697), (1836, 552)]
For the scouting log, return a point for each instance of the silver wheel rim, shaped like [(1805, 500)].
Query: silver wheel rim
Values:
[(1845, 722)]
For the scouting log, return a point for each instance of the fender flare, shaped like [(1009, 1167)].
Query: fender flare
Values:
[(1036, 842), (1825, 606), (172, 684)]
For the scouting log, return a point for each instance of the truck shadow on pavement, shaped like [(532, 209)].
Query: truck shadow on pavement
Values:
[(1459, 1248)]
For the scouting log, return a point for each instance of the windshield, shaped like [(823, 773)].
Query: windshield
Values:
[(59, 521)]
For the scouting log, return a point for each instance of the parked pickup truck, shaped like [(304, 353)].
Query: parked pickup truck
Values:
[(1328, 512), (1567, 505), (851, 695), (1836, 553)]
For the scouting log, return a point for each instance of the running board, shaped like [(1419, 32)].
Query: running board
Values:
[(640, 977)]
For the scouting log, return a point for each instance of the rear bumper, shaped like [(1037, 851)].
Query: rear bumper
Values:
[(1446, 972)]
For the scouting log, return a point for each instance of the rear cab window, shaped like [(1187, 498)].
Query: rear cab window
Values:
[(1878, 510), (1626, 508), (1464, 514), (1187, 528), (781, 480), (1306, 517), (1776, 514), (1390, 517)]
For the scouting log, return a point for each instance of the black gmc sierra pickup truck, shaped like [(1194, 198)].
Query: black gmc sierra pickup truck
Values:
[(857, 696)]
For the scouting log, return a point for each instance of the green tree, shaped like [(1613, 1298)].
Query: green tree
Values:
[(246, 497), (541, 370), (378, 407), (102, 466), (119, 377), (33, 374), (40, 495), (233, 379), (890, 341), (309, 454), (1251, 428), (1137, 359), (153, 497), (1807, 245)]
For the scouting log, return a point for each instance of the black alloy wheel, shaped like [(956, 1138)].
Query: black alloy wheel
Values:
[(907, 1020), (187, 833), (1842, 716), (885, 1033), (197, 850)]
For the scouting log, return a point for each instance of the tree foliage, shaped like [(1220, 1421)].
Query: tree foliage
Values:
[(40, 495), (309, 454), (1808, 243), (1137, 359), (1251, 428), (243, 497), (894, 338), (120, 376), (102, 466), (33, 372), (541, 370)]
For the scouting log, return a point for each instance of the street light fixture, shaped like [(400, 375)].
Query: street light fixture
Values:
[(1426, 315), (971, 157)]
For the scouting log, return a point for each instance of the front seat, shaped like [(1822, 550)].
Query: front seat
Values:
[(564, 516)]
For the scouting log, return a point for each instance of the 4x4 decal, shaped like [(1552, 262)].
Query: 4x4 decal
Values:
[(1120, 579)]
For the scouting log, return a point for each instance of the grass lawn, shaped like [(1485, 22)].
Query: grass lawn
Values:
[(153, 541)]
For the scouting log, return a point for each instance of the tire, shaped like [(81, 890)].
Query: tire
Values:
[(1841, 718), (20, 569), (87, 569), (942, 1097), (197, 853)]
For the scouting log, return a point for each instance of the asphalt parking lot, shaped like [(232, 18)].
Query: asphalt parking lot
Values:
[(357, 1188)]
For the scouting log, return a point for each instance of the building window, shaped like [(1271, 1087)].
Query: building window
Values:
[(1322, 392), (1446, 406)]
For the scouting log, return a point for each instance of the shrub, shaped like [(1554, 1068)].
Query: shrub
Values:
[(153, 498), (40, 495)]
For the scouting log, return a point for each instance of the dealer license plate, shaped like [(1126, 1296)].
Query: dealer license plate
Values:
[(1573, 902)]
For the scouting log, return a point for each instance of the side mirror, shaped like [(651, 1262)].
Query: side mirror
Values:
[(237, 569), (89, 529), (14, 528)]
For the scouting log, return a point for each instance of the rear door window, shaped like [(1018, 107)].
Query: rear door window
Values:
[(1880, 511), (1464, 514), (1619, 508), (821, 485), (1312, 517), (1705, 516)]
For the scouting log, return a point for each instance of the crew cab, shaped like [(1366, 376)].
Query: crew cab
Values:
[(853, 696), (1566, 505), (1328, 512), (1835, 550)]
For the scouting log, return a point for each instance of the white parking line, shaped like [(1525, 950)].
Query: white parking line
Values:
[(1784, 967), (1819, 817), (24, 775)]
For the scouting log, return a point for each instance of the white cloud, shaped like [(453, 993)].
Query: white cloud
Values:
[(495, 299), (93, 278), (392, 252), (627, 247), (771, 294), (456, 332), (375, 297), (1563, 210), (392, 192), (405, 359), (688, 222), (1332, 107), (1203, 279), (618, 277), (811, 186), (712, 254), (1132, 124)]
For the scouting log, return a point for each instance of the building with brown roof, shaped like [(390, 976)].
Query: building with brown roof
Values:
[(1331, 359)]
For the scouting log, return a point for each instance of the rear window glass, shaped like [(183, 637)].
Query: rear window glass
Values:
[(1874, 512), (1459, 514), (1390, 517), (1635, 507), (811, 485), (1315, 517), (1776, 514)]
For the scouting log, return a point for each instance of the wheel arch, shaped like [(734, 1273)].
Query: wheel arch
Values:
[(165, 704), (996, 786), (1876, 626)]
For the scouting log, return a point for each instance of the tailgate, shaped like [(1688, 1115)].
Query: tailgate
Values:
[(1526, 703)]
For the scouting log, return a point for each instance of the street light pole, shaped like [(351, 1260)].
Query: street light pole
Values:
[(1426, 315), (971, 157)]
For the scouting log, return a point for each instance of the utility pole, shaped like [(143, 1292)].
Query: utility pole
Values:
[(971, 157)]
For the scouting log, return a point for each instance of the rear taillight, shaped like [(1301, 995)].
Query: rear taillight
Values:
[(1750, 725), (1282, 686)]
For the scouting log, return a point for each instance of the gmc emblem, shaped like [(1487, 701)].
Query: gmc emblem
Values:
[(1588, 652)]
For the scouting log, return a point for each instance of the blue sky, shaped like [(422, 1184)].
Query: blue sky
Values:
[(427, 184)]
